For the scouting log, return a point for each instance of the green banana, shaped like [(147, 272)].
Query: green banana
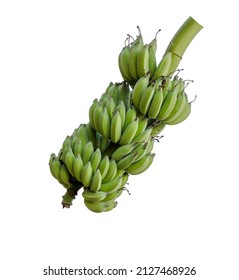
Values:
[(139, 89), (146, 99), (143, 61), (123, 150), (156, 103), (95, 159), (64, 176), (122, 111), (104, 166), (86, 174), (110, 106), (111, 205), (78, 166), (78, 148), (123, 62), (163, 67), (129, 117), (143, 136), (55, 166), (99, 206), (111, 171), (96, 181), (94, 196), (112, 185), (140, 166), (143, 123), (113, 196), (116, 127), (104, 123), (186, 112), (157, 127), (91, 112), (168, 104), (129, 132), (126, 161), (87, 152), (134, 53), (83, 135), (152, 61), (68, 160), (178, 108), (98, 109)]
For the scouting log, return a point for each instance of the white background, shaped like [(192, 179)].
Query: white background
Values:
[(55, 58)]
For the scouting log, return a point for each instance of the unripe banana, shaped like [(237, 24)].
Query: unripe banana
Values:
[(129, 117), (94, 196), (143, 61), (96, 181), (116, 127), (156, 103), (123, 62), (98, 109), (123, 151), (55, 166), (135, 50), (91, 112), (125, 178), (178, 108), (168, 104), (95, 159), (139, 89), (126, 161), (86, 174), (87, 152), (157, 127), (143, 136), (97, 206), (146, 99), (152, 61), (140, 166), (68, 160), (104, 166), (164, 66), (111, 171), (65, 176), (186, 112), (114, 93), (91, 134), (113, 196), (82, 134), (67, 142), (104, 123), (111, 106), (111, 205), (122, 111), (129, 132), (143, 122), (77, 167), (104, 143), (112, 185)]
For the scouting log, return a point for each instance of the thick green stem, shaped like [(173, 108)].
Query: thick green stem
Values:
[(181, 41)]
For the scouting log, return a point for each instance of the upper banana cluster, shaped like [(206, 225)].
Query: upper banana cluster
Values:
[(138, 59), (124, 121)]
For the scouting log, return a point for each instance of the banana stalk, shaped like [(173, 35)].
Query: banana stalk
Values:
[(181, 40)]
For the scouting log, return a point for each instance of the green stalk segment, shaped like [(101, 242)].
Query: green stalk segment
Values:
[(181, 41)]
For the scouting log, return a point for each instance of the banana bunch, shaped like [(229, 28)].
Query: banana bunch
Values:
[(124, 124), (137, 59), (163, 99), (118, 122)]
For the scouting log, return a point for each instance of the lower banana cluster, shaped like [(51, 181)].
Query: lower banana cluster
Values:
[(124, 123)]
